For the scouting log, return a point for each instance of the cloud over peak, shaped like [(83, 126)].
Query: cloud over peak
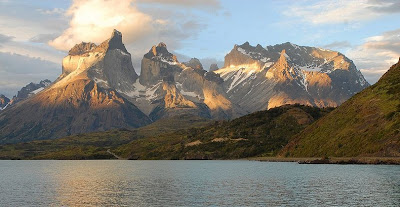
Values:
[(93, 21)]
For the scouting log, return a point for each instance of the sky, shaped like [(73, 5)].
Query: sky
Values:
[(35, 35)]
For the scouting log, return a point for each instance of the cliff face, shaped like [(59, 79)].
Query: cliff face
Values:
[(258, 78), (83, 99)]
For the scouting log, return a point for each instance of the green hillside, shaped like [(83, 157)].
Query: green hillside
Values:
[(368, 124), (262, 133), (94, 145)]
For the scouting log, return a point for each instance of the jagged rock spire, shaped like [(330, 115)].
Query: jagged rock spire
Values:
[(194, 63), (115, 42), (161, 51), (282, 61)]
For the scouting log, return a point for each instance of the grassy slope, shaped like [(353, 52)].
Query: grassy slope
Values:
[(88, 146), (93, 145), (259, 134), (368, 124)]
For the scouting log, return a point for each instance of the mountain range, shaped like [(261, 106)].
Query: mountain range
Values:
[(99, 89)]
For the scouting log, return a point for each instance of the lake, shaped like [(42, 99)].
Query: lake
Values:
[(195, 183)]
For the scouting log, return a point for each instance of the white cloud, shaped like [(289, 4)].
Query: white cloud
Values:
[(5, 39), (342, 11), (337, 45), (94, 20), (43, 38), (377, 54), (17, 71), (52, 11), (34, 50), (23, 20)]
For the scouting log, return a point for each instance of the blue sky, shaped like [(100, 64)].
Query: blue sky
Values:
[(36, 34)]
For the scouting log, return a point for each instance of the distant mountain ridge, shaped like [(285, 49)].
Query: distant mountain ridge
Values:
[(100, 90), (25, 92)]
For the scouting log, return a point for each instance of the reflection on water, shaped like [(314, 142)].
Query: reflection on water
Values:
[(195, 183)]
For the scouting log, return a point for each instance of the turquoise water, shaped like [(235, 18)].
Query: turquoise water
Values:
[(195, 183)]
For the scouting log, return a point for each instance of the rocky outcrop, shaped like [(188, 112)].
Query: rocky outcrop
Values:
[(82, 48), (258, 78), (158, 64)]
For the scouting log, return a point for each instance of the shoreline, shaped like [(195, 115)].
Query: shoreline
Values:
[(332, 160)]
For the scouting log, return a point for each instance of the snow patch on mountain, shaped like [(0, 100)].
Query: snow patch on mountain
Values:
[(186, 93), (237, 74), (101, 82), (268, 64), (2, 108), (168, 61), (123, 53), (37, 90), (311, 68), (140, 91)]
